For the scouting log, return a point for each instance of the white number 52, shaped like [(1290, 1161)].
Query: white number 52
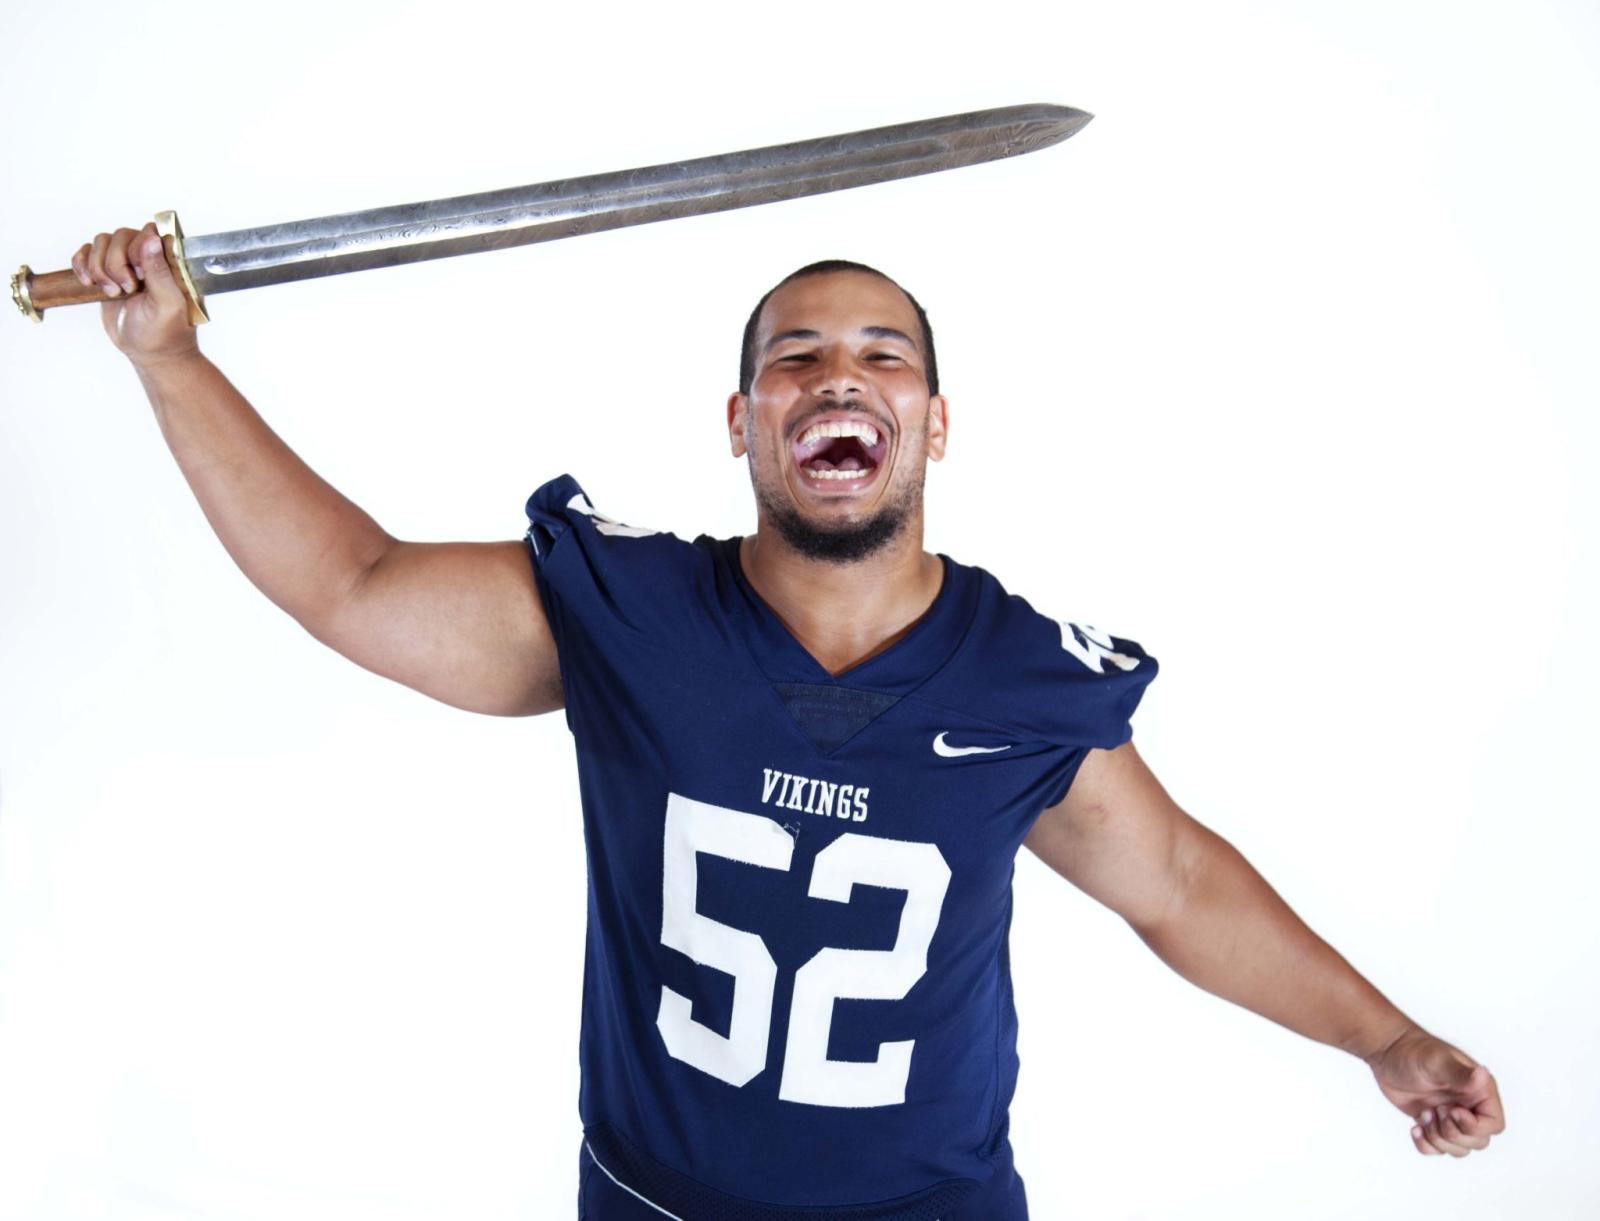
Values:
[(808, 1074)]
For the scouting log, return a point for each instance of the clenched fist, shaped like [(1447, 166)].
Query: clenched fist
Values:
[(151, 326)]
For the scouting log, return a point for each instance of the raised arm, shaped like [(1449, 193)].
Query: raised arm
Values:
[(461, 622), (1201, 907)]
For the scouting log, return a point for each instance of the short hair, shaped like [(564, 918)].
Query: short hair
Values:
[(747, 353)]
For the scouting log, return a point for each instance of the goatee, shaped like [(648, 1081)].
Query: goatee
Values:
[(844, 543)]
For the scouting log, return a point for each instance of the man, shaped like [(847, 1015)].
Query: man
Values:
[(807, 758)]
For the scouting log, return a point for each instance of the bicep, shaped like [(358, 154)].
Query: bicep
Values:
[(461, 622), (1118, 836)]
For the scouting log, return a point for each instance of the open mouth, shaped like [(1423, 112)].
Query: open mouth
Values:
[(839, 454)]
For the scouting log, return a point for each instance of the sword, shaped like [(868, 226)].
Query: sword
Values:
[(515, 216)]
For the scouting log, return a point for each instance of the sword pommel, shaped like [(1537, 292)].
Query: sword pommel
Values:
[(22, 292)]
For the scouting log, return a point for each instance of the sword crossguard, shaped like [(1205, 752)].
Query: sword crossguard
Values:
[(172, 243), (34, 292)]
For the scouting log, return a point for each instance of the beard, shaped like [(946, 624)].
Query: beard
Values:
[(834, 542), (843, 542)]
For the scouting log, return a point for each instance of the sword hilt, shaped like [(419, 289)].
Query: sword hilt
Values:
[(35, 292)]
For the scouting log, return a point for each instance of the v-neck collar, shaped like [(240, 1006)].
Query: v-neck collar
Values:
[(903, 666)]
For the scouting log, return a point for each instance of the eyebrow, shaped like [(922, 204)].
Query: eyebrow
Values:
[(871, 332)]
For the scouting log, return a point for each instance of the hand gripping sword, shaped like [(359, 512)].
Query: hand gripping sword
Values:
[(515, 216)]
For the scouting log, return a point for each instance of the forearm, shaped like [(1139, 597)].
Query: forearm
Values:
[(297, 538), (1229, 932)]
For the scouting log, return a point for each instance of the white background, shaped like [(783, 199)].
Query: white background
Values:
[(1285, 367)]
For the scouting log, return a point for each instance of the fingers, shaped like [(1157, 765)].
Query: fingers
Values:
[(1474, 1129), (150, 265), (104, 262), (116, 263), (1428, 1139), (89, 263), (1488, 1106), (1451, 1130), (80, 264)]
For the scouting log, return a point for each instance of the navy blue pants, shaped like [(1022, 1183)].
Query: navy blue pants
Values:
[(602, 1199)]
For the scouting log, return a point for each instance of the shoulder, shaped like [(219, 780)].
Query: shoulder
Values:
[(1065, 681), (608, 571)]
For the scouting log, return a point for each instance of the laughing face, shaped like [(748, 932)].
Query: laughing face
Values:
[(838, 424)]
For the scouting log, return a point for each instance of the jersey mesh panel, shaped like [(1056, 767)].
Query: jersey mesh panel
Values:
[(831, 716), (696, 1202)]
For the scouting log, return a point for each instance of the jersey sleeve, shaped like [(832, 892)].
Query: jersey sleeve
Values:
[(580, 575), (1078, 688), (1049, 680), (609, 588), (1090, 682)]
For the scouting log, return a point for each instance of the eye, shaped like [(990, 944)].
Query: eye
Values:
[(883, 356), (797, 356)]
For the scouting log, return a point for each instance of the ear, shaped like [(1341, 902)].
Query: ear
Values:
[(738, 414), (938, 425)]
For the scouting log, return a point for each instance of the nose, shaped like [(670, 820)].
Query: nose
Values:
[(835, 375)]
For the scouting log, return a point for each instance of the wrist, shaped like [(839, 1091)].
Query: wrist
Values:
[(167, 363), (1374, 1052)]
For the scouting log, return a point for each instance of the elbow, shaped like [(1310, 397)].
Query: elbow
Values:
[(1186, 864)]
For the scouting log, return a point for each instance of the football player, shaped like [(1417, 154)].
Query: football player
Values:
[(808, 757)]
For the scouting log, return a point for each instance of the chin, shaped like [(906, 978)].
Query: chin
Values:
[(833, 540)]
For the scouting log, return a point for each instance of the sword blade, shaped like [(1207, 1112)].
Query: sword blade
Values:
[(515, 216)]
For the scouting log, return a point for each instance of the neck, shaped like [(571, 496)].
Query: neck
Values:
[(843, 614)]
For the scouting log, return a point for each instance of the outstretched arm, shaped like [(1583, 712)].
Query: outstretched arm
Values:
[(461, 622), (1195, 901)]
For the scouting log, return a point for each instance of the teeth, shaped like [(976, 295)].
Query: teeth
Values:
[(842, 428), (835, 474)]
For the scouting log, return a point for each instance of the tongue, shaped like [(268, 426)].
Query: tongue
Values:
[(852, 463), (838, 454)]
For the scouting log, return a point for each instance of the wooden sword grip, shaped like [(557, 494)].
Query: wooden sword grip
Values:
[(46, 290), (34, 292)]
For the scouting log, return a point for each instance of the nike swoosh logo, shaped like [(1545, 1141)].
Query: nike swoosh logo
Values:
[(952, 752)]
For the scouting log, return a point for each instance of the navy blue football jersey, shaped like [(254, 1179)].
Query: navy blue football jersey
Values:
[(797, 993)]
